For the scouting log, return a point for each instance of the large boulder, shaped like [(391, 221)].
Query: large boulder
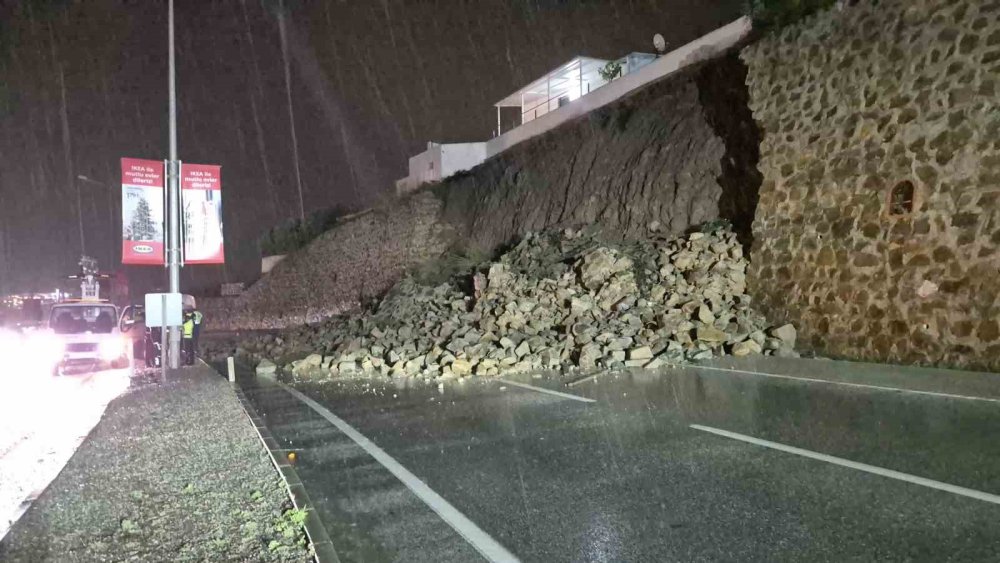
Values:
[(266, 368)]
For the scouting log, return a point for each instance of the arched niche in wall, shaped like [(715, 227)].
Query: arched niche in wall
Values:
[(902, 198)]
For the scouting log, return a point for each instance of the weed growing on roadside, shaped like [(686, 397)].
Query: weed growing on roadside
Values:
[(290, 527)]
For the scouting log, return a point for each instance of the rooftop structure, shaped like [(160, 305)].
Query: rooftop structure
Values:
[(566, 83)]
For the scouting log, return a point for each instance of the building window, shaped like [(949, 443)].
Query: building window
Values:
[(430, 165), (901, 198)]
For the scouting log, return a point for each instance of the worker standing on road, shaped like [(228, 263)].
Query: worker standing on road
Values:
[(197, 317), (188, 344)]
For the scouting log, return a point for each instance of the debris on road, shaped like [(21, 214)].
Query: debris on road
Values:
[(172, 472), (558, 300)]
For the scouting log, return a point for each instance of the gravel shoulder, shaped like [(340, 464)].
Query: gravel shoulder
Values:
[(172, 472)]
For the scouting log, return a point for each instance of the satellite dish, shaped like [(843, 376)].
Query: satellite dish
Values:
[(659, 43)]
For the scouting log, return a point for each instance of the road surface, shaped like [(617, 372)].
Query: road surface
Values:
[(776, 460), (43, 419)]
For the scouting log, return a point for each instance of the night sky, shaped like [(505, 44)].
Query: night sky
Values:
[(83, 84)]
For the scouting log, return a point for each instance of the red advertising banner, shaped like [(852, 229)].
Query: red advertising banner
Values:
[(142, 211), (201, 194)]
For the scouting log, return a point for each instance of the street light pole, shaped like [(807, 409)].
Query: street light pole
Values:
[(173, 200)]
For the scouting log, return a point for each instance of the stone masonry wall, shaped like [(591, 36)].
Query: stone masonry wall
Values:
[(669, 157), (853, 103), (352, 262)]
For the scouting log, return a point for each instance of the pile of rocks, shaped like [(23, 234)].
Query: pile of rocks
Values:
[(556, 301)]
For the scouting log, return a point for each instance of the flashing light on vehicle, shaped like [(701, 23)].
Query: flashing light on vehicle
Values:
[(111, 348)]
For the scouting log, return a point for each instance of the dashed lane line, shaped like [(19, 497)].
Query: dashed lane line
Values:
[(548, 391), (874, 470), (847, 384)]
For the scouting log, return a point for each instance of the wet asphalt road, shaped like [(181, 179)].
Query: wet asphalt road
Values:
[(626, 478)]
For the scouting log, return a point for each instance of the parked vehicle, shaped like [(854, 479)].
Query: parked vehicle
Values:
[(133, 325), (88, 335)]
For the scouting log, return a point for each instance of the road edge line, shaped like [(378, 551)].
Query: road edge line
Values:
[(482, 542), (873, 469)]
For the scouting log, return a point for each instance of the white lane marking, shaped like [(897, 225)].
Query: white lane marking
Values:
[(846, 384), (875, 470), (549, 391), (582, 380), (486, 545)]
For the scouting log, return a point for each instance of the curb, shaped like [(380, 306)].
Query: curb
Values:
[(323, 548)]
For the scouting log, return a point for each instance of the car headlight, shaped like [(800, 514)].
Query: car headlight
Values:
[(111, 349)]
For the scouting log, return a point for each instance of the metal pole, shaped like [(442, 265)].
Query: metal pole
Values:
[(173, 199), (548, 94), (163, 341)]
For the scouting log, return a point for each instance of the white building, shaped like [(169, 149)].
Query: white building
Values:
[(564, 84), (566, 93), (440, 161)]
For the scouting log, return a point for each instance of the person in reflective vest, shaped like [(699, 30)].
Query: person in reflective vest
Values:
[(188, 341)]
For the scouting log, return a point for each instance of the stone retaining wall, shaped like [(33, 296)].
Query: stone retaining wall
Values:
[(854, 104), (359, 259)]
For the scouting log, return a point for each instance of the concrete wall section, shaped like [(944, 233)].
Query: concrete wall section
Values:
[(458, 157), (440, 161), (426, 166), (857, 102), (267, 263)]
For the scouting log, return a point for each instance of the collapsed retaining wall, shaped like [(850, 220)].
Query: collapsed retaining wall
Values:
[(667, 157), (855, 104)]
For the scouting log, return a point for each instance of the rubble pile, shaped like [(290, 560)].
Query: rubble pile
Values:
[(557, 301)]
